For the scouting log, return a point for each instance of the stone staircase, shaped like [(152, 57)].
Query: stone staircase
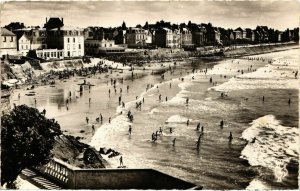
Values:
[(38, 180)]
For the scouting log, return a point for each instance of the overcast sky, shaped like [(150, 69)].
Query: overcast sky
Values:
[(228, 14)]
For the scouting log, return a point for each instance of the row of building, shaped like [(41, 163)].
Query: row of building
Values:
[(57, 41)]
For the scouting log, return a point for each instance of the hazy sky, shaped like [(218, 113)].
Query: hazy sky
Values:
[(228, 14)]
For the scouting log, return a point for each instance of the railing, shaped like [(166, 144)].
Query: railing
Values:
[(69, 177)]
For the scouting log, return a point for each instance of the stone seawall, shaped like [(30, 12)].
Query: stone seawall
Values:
[(259, 49), (122, 178)]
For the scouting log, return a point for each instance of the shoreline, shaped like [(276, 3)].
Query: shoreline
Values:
[(116, 109)]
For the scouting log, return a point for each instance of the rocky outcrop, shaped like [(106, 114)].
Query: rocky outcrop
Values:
[(70, 150)]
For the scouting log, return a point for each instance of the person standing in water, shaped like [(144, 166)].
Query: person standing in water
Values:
[(263, 98), (230, 137), (174, 140), (222, 124), (289, 101), (93, 129), (198, 127), (129, 130), (187, 122)]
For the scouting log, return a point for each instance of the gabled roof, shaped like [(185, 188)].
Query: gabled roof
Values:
[(5, 32), (239, 29), (25, 36)]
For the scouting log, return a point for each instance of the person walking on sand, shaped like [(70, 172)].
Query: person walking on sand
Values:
[(127, 88), (187, 101), (121, 161), (160, 130), (187, 122), (171, 130), (19, 96), (109, 120), (174, 140), (263, 99), (44, 112), (87, 120)]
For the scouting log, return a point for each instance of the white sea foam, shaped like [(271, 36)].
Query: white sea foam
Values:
[(270, 77), (274, 147), (177, 119), (106, 131), (257, 184)]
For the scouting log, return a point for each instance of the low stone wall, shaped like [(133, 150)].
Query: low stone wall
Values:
[(75, 178)]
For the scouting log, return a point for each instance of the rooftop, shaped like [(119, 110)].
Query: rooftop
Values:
[(5, 32)]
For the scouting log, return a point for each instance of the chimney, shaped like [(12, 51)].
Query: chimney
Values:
[(62, 20), (46, 19)]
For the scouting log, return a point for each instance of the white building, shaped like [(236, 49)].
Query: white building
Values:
[(73, 42), (94, 47), (24, 44), (8, 43)]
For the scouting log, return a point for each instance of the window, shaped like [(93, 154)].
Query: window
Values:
[(73, 46), (68, 40), (69, 54), (11, 39), (54, 54), (110, 45), (104, 45), (51, 54), (22, 47), (68, 47), (4, 39), (74, 40), (26, 47), (79, 46)]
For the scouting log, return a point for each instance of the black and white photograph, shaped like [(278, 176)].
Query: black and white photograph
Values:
[(150, 95)]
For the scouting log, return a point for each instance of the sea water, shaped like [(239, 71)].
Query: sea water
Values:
[(270, 162)]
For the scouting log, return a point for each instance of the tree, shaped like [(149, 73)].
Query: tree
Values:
[(124, 26), (27, 139)]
